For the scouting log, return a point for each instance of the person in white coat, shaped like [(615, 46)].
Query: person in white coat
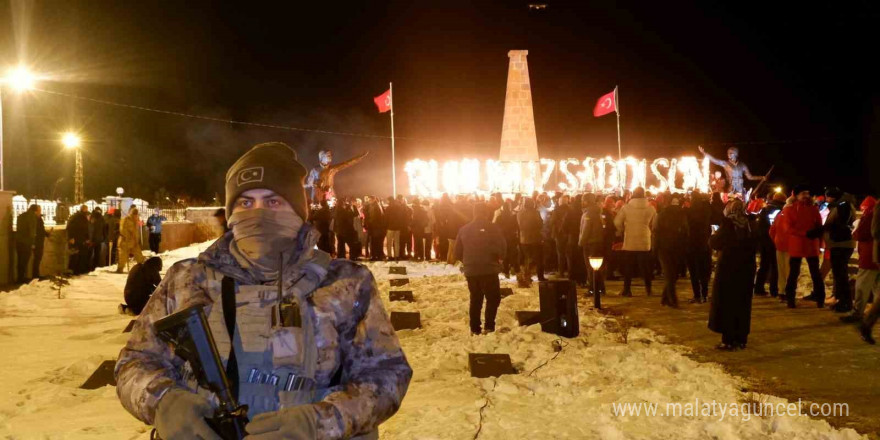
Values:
[(636, 221)]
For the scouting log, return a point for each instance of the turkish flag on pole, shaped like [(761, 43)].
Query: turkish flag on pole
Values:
[(606, 104), (383, 101)]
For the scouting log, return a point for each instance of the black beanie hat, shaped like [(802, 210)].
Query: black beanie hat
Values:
[(800, 188), (834, 192), (271, 166)]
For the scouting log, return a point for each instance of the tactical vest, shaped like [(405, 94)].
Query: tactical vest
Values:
[(275, 347)]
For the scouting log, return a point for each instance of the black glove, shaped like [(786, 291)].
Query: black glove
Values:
[(814, 233)]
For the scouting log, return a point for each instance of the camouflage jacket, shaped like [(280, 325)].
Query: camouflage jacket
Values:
[(355, 341)]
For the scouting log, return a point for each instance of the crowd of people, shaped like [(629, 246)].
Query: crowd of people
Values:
[(759, 245), (94, 239)]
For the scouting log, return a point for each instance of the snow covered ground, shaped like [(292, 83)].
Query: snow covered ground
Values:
[(50, 346)]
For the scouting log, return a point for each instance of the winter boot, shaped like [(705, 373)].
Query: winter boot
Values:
[(865, 332)]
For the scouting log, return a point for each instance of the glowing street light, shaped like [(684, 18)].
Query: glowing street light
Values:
[(20, 79), (71, 140), (779, 189), (596, 264)]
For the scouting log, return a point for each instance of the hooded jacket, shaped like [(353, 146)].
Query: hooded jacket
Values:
[(128, 231), (838, 224), (360, 367), (592, 231), (800, 218), (530, 224), (779, 228), (635, 220)]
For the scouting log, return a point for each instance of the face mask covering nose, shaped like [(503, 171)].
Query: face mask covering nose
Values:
[(260, 236)]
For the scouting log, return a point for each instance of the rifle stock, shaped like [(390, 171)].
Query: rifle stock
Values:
[(190, 335)]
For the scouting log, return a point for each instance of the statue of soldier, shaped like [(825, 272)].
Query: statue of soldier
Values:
[(736, 171), (320, 180)]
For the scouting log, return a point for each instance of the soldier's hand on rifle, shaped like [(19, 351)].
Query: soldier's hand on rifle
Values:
[(181, 415), (295, 423)]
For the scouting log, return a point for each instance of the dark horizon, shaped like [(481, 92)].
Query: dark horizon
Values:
[(790, 86)]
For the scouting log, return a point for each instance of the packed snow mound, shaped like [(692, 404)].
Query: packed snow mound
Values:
[(51, 346), (569, 394)]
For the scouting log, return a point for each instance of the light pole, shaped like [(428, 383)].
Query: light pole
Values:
[(18, 79), (72, 141), (596, 265)]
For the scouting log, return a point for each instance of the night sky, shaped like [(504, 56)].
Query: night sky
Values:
[(794, 84)]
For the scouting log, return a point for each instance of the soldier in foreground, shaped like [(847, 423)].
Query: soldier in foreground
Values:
[(329, 330)]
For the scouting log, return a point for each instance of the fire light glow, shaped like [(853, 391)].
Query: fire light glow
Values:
[(428, 178)]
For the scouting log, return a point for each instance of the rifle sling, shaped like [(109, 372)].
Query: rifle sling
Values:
[(228, 295)]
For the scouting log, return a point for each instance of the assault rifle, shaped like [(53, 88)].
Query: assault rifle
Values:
[(189, 333)]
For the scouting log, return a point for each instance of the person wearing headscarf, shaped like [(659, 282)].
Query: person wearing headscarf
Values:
[(731, 311)]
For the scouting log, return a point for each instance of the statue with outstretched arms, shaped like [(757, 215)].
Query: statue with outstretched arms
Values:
[(736, 170), (320, 180)]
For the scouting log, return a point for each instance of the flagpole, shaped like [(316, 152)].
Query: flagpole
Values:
[(616, 110), (393, 166)]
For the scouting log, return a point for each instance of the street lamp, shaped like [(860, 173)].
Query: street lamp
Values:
[(71, 140), (119, 192), (596, 264), (18, 79)]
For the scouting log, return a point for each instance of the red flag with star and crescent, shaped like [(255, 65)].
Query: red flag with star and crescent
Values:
[(383, 101), (606, 104)]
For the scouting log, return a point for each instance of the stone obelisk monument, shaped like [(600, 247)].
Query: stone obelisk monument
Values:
[(518, 139)]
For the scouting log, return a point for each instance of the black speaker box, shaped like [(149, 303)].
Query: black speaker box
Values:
[(506, 291), (401, 295), (101, 377), (527, 317), (406, 320), (399, 282), (489, 365), (559, 313), (397, 270)]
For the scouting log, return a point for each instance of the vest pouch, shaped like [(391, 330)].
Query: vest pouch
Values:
[(287, 347), (259, 397), (288, 399)]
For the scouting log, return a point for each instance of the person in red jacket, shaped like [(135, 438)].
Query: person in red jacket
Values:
[(779, 234), (804, 229), (868, 278)]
